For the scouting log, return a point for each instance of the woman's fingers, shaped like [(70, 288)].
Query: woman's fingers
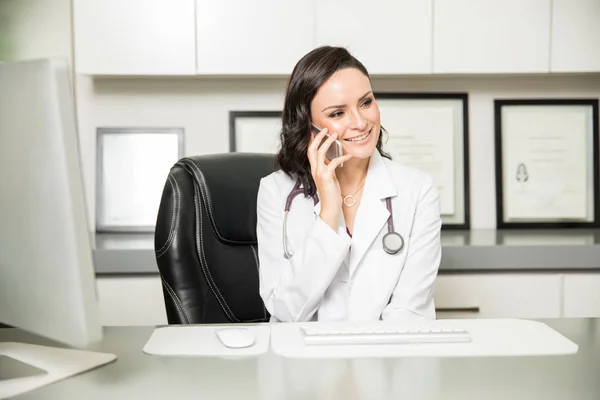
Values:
[(322, 152), (316, 140), (313, 146), (336, 162)]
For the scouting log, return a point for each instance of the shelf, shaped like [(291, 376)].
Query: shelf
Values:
[(462, 251)]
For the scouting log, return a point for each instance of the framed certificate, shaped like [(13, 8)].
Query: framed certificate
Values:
[(132, 167), (547, 163), (254, 131), (429, 131)]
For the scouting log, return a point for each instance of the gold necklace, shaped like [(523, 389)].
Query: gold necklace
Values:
[(350, 198)]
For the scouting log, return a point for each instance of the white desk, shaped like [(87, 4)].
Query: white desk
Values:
[(139, 376)]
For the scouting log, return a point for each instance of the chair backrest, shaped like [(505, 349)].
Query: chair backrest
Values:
[(205, 239)]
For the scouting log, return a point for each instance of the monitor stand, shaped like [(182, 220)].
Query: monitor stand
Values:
[(25, 367), (11, 368)]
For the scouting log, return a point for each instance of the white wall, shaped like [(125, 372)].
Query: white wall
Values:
[(201, 107), (35, 29)]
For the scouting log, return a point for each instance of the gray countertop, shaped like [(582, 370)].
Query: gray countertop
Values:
[(462, 251), (135, 375)]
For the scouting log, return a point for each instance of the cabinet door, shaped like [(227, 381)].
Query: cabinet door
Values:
[(575, 36), (387, 37), (498, 296), (253, 36), (117, 305), (491, 36), (582, 295), (134, 37)]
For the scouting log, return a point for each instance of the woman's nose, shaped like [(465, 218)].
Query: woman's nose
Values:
[(359, 122)]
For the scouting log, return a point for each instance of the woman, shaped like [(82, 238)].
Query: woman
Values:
[(331, 263)]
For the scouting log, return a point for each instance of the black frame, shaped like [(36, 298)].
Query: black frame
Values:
[(464, 98), (498, 105), (233, 115)]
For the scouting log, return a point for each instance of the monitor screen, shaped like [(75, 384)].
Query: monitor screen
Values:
[(47, 279)]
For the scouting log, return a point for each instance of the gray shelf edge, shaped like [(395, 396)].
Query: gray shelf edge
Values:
[(455, 259), (127, 262)]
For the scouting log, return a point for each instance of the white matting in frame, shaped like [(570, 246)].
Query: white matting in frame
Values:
[(429, 132), (546, 162), (132, 167), (254, 131)]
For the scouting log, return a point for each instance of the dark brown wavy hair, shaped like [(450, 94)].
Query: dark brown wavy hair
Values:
[(307, 77)]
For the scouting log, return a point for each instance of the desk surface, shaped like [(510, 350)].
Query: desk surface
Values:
[(138, 376)]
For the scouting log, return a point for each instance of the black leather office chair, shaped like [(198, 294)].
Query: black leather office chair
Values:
[(205, 239)]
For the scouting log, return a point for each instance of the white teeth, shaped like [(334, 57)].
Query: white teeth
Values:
[(356, 139)]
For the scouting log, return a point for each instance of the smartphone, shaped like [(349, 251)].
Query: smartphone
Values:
[(335, 149)]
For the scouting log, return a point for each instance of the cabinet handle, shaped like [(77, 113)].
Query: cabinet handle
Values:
[(458, 309)]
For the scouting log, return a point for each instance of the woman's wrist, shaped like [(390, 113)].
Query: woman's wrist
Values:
[(330, 218)]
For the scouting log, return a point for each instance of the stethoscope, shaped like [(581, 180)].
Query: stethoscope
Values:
[(392, 241)]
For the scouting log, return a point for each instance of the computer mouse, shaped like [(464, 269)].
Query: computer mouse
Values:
[(235, 338)]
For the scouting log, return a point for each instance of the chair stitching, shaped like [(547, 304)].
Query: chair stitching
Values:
[(188, 165), (172, 218), (193, 168), (205, 269), (176, 301), (258, 270), (177, 217), (200, 178), (178, 304)]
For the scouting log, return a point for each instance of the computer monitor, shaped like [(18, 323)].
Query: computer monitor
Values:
[(47, 279)]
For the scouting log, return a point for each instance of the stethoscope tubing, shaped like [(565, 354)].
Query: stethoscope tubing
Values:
[(296, 190)]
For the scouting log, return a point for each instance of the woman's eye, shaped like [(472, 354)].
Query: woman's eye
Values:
[(336, 114), (367, 102)]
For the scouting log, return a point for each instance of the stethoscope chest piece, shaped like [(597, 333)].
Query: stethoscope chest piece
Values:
[(393, 242)]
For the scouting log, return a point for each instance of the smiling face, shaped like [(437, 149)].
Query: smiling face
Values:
[(345, 104)]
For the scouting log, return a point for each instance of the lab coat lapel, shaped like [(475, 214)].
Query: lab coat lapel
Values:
[(372, 214)]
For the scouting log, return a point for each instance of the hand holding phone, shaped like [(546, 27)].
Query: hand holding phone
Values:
[(335, 150), (323, 172)]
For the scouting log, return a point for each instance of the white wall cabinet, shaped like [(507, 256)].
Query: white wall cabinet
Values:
[(575, 36), (253, 36), (582, 295), (387, 37), (268, 37), (134, 37), (509, 295), (491, 36), (139, 300), (126, 301)]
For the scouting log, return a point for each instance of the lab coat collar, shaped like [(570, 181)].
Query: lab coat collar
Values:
[(379, 182), (372, 213)]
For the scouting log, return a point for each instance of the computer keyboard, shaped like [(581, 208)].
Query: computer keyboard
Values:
[(387, 335)]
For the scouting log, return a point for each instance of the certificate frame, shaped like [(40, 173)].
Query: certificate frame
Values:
[(161, 157), (544, 108), (457, 103), (244, 124)]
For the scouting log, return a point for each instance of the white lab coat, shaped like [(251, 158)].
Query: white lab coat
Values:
[(332, 276)]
